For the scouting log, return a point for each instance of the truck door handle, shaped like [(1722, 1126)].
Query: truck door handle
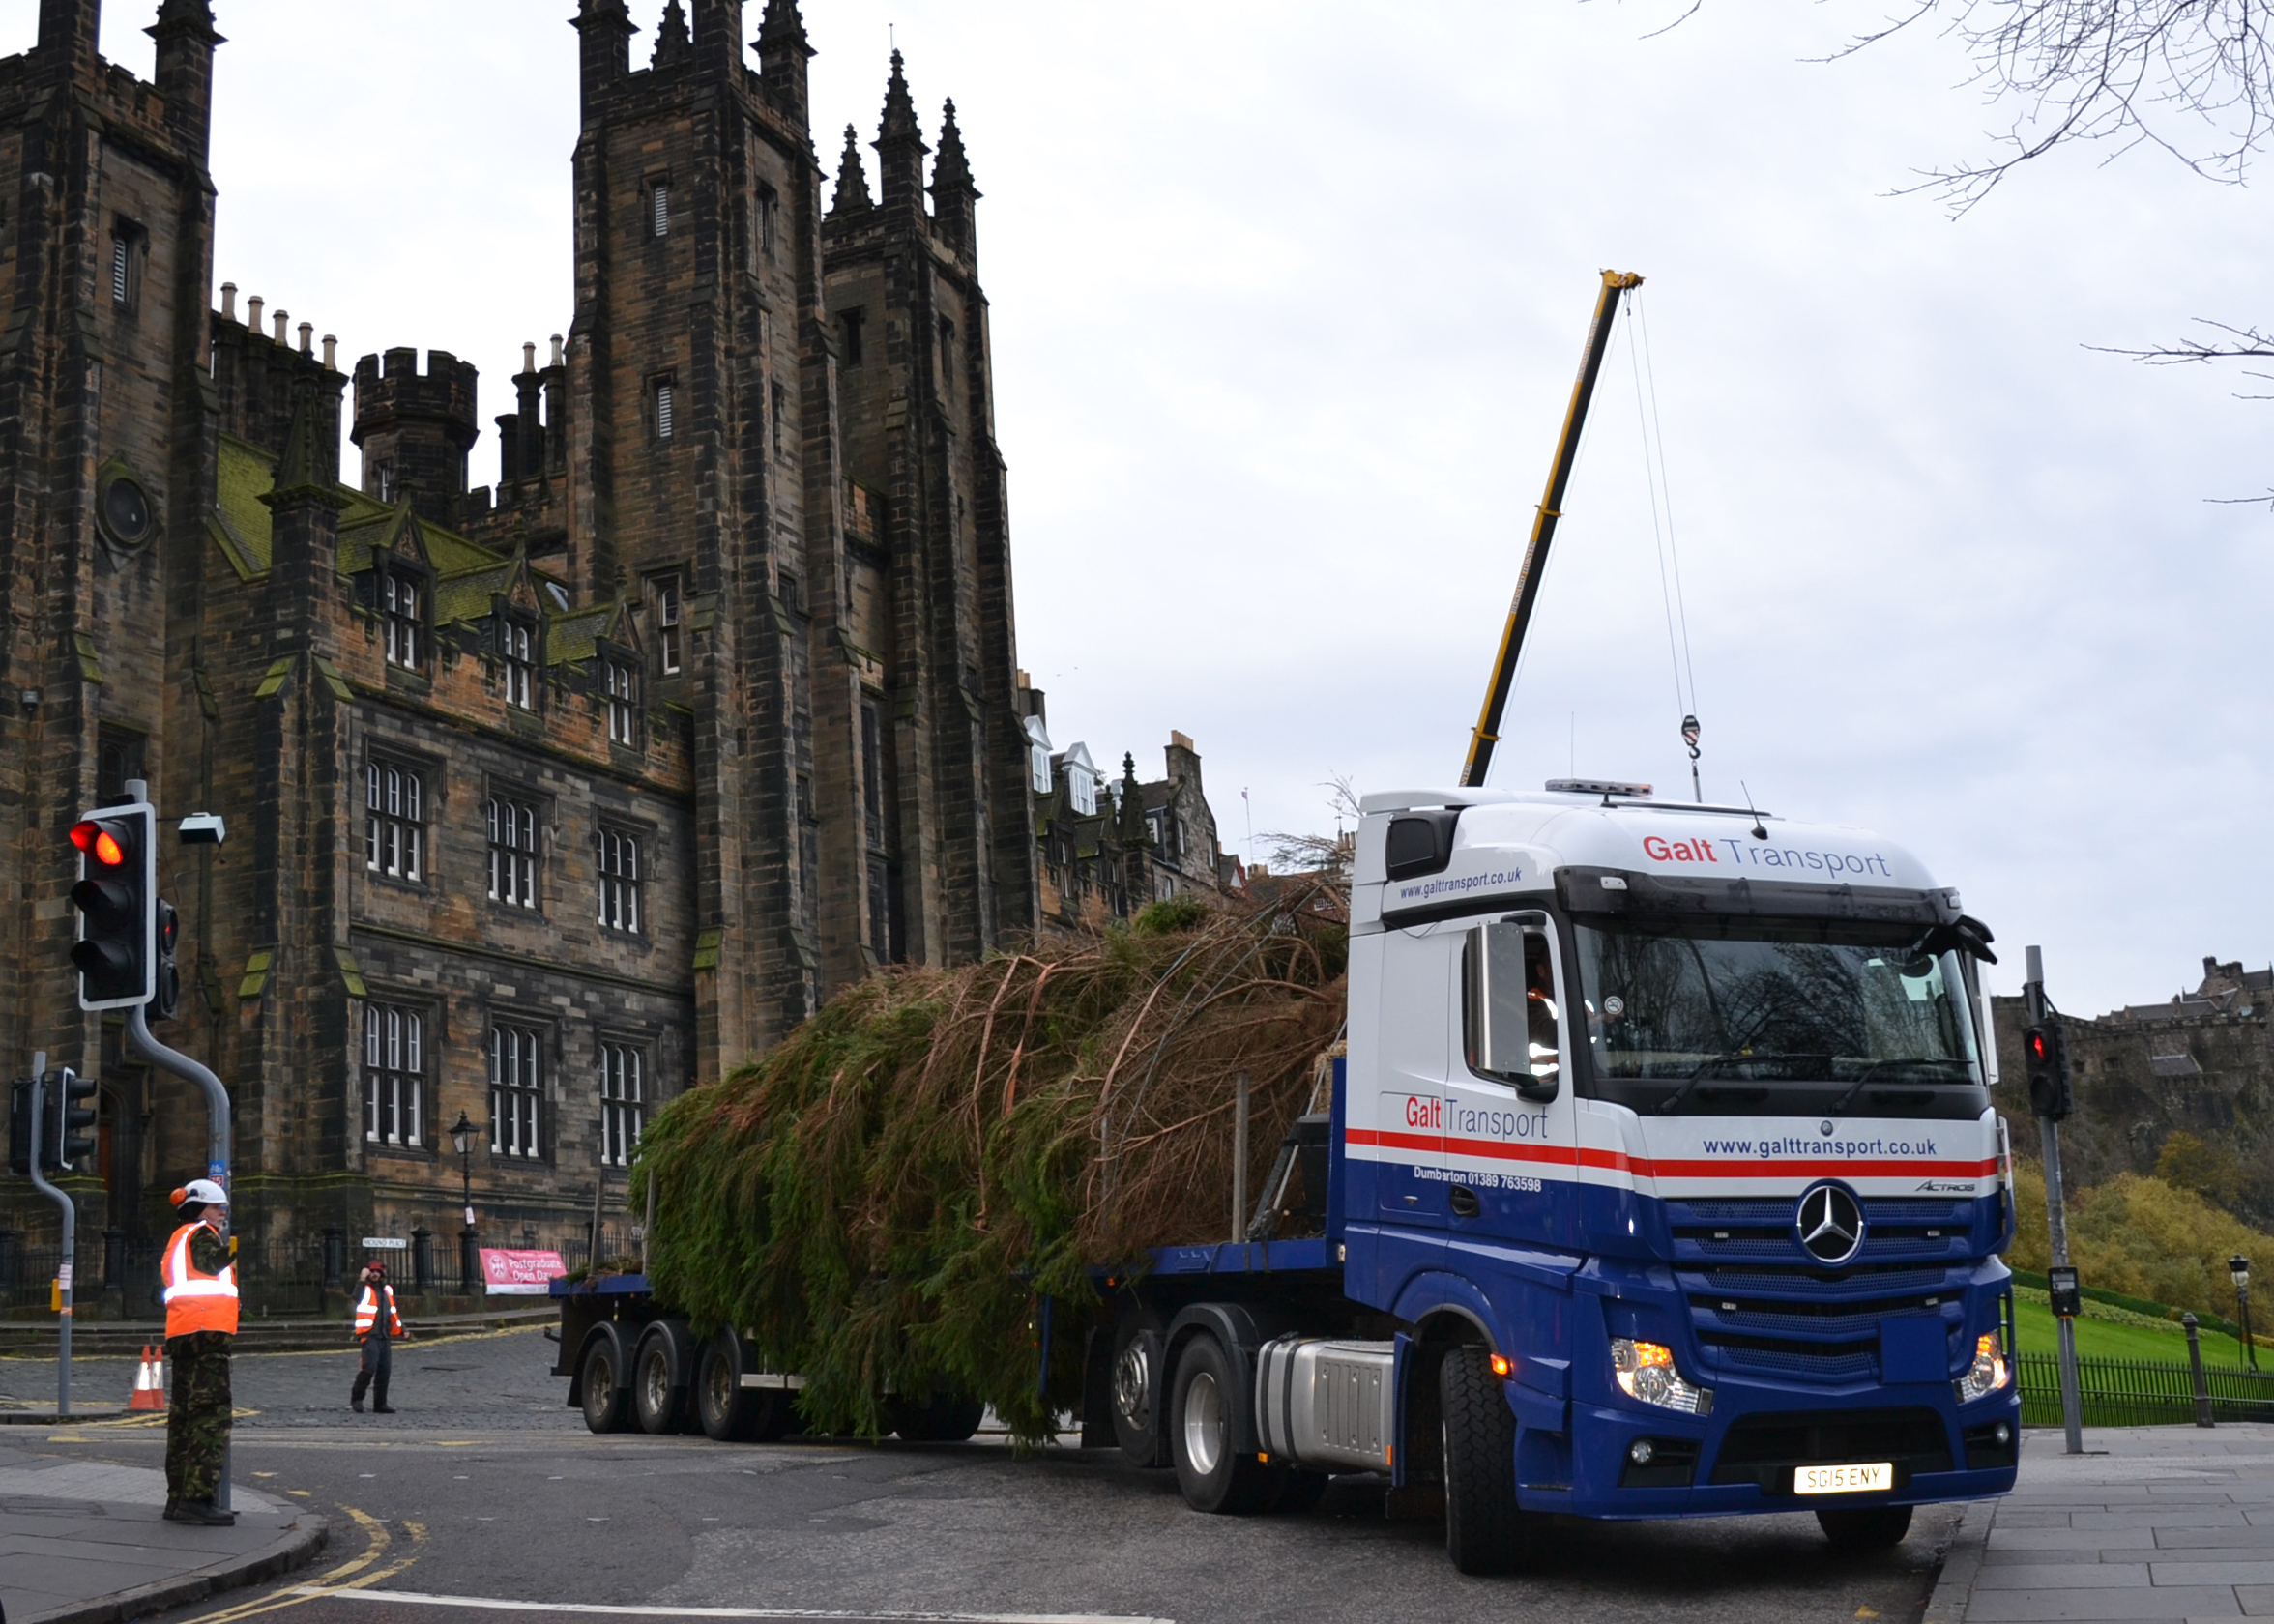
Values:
[(1464, 1202)]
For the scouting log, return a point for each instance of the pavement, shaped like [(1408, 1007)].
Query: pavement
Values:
[(83, 1542), (2152, 1522)]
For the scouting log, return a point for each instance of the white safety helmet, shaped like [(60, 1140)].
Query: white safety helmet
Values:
[(202, 1190)]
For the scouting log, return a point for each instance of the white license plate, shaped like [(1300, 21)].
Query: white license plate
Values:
[(1843, 1480)]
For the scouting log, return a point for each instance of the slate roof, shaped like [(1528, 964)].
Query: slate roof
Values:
[(468, 576)]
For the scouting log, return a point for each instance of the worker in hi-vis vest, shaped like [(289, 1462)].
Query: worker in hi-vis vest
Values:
[(200, 1281), (376, 1326)]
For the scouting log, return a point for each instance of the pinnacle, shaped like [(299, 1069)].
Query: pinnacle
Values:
[(781, 18), (852, 178), (952, 170), (672, 40), (899, 109)]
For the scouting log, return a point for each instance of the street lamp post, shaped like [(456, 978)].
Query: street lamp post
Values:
[(2238, 1266), (461, 1134)]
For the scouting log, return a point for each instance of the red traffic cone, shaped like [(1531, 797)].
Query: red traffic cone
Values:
[(149, 1381)]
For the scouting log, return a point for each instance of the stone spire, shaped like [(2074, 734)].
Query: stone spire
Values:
[(672, 42), (852, 179), (1133, 831), (900, 145), (952, 191), (783, 55)]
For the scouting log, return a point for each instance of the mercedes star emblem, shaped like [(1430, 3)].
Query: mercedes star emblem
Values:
[(1830, 1224)]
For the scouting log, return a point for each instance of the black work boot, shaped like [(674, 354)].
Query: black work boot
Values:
[(203, 1511), (363, 1384), (379, 1403)]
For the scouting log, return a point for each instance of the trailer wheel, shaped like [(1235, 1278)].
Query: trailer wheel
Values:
[(728, 1411), (607, 1399), (1486, 1532), (661, 1371), (1133, 1381), (1211, 1474), (937, 1420), (1860, 1529)]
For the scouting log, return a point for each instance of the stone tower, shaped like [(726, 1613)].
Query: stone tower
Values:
[(105, 470), (849, 659), (415, 430)]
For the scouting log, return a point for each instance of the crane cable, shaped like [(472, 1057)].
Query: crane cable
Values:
[(1662, 533)]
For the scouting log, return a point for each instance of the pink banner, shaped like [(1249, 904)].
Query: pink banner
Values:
[(519, 1274)]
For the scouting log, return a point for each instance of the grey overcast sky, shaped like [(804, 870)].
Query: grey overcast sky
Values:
[(1286, 303)]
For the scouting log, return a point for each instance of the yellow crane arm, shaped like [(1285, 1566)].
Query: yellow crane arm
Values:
[(1487, 731)]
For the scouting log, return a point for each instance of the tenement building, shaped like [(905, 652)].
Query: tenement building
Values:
[(547, 799)]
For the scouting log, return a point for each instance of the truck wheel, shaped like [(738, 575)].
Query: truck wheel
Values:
[(937, 1420), (662, 1370), (1485, 1532), (1865, 1527), (725, 1409), (1136, 1353), (607, 1404), (1212, 1476)]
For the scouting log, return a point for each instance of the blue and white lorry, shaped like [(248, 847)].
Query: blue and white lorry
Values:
[(1660, 1179)]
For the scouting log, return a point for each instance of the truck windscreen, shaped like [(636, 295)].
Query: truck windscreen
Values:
[(1758, 1015)]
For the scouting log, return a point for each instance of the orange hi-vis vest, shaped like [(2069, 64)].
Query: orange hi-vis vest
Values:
[(367, 1311), (196, 1301)]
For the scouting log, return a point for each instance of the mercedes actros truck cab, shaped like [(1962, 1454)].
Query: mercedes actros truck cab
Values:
[(1662, 1180)]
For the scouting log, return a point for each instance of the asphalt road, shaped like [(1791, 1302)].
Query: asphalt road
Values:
[(485, 1498)]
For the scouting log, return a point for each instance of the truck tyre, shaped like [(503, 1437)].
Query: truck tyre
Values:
[(607, 1396), (936, 1420), (1485, 1530), (1211, 1474), (1862, 1529), (727, 1411), (1132, 1382), (663, 1371)]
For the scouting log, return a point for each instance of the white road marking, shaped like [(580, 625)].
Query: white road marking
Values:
[(420, 1598)]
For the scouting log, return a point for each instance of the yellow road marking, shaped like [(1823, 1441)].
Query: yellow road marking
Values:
[(353, 1575)]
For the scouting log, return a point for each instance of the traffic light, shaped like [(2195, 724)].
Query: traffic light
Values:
[(117, 897), (167, 992), (68, 1135), (19, 1126), (2045, 1058)]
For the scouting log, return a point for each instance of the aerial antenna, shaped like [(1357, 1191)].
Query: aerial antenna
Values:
[(1760, 830)]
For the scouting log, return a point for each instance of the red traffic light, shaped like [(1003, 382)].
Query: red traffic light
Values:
[(98, 840)]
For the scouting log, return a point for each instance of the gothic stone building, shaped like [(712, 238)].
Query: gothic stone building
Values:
[(545, 801)]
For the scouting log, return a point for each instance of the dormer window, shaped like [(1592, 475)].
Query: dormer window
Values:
[(623, 680), (1037, 756), (402, 609), (1081, 790), (518, 645)]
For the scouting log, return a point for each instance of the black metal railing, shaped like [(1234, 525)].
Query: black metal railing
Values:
[(2141, 1392)]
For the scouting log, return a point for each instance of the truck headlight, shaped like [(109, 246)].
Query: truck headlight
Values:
[(1646, 1372), (1988, 1372)]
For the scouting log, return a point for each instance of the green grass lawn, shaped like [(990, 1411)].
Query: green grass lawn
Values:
[(2100, 1339)]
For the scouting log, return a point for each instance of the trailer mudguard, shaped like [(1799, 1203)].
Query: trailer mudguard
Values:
[(1238, 1329), (606, 1330)]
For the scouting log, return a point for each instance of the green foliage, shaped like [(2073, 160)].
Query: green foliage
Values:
[(886, 1199), (1171, 914), (2212, 1172), (2145, 1237)]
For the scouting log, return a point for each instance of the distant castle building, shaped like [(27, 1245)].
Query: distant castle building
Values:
[(546, 800)]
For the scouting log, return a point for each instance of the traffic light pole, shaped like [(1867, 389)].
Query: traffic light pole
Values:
[(2056, 1219), (71, 1225), (217, 1142)]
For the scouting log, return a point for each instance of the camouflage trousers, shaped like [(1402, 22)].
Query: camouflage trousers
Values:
[(197, 1415)]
